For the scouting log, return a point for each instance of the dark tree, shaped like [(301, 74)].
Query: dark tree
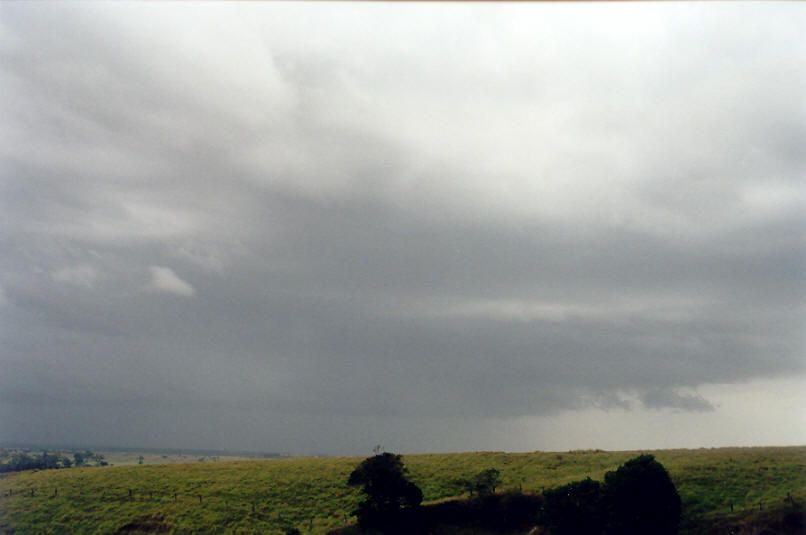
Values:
[(388, 493), (641, 498), (574, 509), (637, 499)]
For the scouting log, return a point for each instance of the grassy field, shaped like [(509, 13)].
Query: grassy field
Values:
[(268, 496)]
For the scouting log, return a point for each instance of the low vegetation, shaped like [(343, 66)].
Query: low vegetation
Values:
[(738, 490)]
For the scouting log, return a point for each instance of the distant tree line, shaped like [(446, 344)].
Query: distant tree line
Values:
[(17, 461)]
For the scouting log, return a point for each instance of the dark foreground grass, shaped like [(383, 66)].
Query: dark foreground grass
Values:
[(311, 495)]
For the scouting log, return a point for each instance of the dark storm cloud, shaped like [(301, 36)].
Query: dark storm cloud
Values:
[(291, 235)]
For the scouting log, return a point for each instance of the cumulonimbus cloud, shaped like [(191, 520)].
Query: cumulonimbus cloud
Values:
[(534, 209)]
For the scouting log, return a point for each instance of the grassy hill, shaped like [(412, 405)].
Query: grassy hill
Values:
[(269, 496)]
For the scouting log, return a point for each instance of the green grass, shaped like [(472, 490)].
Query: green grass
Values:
[(310, 494)]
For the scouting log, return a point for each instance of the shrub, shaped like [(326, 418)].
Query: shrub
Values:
[(575, 508)]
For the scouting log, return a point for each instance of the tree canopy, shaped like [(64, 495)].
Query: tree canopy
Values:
[(388, 492), (637, 498), (642, 498)]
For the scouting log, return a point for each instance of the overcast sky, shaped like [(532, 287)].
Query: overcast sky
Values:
[(317, 227)]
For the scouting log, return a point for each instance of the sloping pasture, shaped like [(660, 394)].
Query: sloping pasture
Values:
[(722, 486)]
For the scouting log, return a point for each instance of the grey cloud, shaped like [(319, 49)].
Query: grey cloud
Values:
[(375, 236), (164, 279), (668, 398)]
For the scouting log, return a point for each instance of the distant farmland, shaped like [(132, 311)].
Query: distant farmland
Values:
[(721, 488)]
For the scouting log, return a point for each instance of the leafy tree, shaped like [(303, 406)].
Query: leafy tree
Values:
[(636, 499), (485, 482), (641, 498), (388, 493), (575, 508)]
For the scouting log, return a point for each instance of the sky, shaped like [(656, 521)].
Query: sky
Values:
[(317, 227)]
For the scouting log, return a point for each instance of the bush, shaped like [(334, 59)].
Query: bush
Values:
[(575, 508), (506, 512), (291, 530)]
